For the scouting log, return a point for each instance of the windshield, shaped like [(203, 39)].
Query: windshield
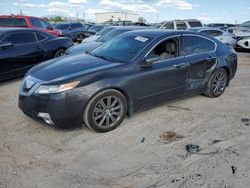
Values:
[(104, 31), (122, 49), (96, 28), (111, 34), (62, 26)]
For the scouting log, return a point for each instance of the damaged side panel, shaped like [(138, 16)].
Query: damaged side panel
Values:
[(199, 71)]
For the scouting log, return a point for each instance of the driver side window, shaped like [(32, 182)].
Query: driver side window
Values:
[(167, 49)]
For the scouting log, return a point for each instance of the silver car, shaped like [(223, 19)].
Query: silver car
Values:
[(243, 36), (223, 36)]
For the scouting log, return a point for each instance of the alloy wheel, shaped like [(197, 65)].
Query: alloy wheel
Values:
[(107, 111), (219, 83)]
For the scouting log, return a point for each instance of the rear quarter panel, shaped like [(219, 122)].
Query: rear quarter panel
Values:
[(51, 46)]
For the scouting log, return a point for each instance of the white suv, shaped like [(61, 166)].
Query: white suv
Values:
[(181, 24)]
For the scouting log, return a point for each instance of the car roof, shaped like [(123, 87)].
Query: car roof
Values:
[(68, 23), (129, 27), (13, 29), (5, 29), (156, 33), (18, 16), (204, 28), (184, 20)]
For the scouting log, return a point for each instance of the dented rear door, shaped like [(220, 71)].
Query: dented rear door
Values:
[(200, 53)]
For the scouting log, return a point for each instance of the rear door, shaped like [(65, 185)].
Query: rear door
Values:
[(200, 54), (22, 54)]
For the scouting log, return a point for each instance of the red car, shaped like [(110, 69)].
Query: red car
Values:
[(28, 22)]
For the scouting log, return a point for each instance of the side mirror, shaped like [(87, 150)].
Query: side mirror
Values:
[(148, 62), (5, 44)]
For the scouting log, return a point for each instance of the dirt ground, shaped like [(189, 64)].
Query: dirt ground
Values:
[(147, 150)]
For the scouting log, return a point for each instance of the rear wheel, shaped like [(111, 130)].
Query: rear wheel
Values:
[(105, 111), (217, 83), (59, 53)]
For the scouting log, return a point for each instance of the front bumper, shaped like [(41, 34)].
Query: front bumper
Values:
[(65, 109)]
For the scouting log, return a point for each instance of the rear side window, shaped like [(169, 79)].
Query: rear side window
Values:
[(168, 25), (195, 24), (75, 26), (39, 23), (206, 32), (196, 45), (21, 38), (13, 22), (181, 25), (216, 33), (40, 37)]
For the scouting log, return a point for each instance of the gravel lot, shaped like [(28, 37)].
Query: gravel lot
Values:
[(138, 153)]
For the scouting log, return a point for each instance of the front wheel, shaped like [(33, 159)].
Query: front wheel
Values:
[(217, 83), (105, 111), (59, 53)]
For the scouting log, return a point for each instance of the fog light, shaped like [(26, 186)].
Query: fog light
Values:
[(46, 117)]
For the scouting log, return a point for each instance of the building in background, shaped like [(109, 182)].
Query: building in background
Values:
[(116, 16)]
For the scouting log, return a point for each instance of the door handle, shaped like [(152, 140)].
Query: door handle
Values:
[(179, 65)]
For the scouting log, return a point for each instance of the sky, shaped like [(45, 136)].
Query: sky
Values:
[(208, 11)]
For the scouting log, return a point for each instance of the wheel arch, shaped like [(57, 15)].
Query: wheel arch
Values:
[(123, 92), (228, 73)]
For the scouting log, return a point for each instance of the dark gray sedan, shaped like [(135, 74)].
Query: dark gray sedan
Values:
[(131, 72)]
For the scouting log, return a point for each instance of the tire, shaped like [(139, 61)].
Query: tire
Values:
[(80, 38), (217, 83), (59, 53), (105, 111)]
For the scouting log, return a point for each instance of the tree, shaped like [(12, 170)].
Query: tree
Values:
[(58, 19)]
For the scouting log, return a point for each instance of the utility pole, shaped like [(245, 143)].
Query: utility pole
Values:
[(157, 17)]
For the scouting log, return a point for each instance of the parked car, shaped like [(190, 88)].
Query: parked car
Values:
[(242, 35), (73, 30), (220, 25), (93, 30), (245, 24), (136, 70), (21, 48), (28, 22), (181, 24), (243, 43), (87, 47), (98, 34), (223, 36)]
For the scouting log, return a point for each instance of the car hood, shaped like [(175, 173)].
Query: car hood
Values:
[(68, 67), (83, 47)]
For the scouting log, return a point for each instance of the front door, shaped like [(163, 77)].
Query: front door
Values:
[(165, 79)]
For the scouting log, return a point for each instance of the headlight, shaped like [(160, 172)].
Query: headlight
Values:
[(46, 89)]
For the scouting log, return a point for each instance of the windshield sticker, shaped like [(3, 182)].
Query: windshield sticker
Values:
[(141, 39)]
